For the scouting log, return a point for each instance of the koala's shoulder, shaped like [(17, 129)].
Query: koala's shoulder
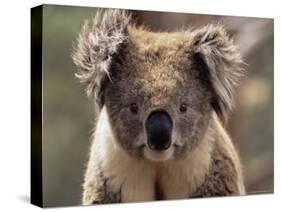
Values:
[(224, 177), (96, 190)]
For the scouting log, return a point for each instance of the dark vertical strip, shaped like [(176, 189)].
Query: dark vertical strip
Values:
[(36, 106), (273, 94)]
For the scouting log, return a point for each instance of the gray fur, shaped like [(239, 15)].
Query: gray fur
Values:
[(220, 181)]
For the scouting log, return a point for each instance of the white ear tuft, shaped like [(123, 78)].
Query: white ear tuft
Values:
[(221, 58), (96, 47)]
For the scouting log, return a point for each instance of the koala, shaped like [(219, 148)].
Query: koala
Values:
[(162, 101)]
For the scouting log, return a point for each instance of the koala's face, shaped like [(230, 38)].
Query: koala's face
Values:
[(159, 89), (158, 102)]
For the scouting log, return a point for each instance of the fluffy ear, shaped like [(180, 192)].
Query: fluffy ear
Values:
[(95, 49), (221, 62)]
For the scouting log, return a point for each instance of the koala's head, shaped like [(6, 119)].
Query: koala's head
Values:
[(159, 89)]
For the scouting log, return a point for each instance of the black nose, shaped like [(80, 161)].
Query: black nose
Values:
[(159, 130)]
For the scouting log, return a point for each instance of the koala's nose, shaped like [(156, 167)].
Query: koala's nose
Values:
[(159, 130)]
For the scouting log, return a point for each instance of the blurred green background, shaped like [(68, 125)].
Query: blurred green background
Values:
[(68, 116)]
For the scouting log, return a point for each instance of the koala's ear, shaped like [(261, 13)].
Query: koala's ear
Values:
[(221, 63), (96, 47)]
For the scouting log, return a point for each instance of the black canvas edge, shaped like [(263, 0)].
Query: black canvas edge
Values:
[(36, 190)]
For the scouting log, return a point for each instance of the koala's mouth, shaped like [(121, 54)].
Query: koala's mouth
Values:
[(155, 155)]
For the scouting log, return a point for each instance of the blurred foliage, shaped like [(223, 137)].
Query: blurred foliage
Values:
[(68, 116)]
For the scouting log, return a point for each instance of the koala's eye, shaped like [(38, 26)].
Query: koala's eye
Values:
[(183, 108), (134, 108)]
